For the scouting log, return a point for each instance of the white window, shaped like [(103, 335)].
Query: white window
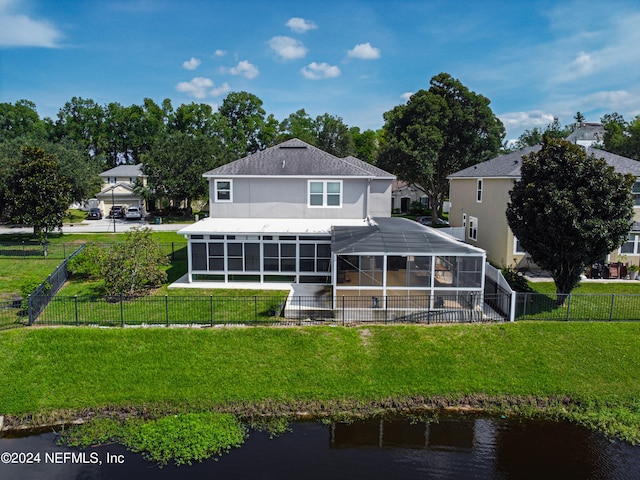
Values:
[(473, 228), (223, 191), (464, 221), (479, 191), (631, 246), (325, 193), (112, 180), (517, 249)]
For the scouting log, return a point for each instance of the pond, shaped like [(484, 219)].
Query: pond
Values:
[(456, 447)]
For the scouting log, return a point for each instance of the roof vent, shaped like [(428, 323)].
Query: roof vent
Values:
[(283, 163)]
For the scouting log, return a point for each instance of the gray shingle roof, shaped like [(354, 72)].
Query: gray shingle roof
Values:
[(297, 158), (123, 171), (508, 166)]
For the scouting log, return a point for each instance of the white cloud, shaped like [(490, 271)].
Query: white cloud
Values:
[(364, 51), (318, 71), (406, 96), (220, 53), (19, 30), (191, 64), (288, 48), (300, 25), (196, 88), (526, 120), (245, 69), (583, 64), (221, 90)]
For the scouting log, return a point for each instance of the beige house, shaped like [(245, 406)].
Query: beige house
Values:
[(118, 187), (480, 194)]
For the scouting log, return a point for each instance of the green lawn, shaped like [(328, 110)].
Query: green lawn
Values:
[(589, 365)]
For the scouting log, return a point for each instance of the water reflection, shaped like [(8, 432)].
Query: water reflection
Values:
[(453, 448)]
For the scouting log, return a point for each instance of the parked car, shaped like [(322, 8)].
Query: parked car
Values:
[(427, 220), (133, 213), (94, 214), (117, 211)]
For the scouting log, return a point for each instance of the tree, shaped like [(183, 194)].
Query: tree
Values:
[(622, 137), (437, 132), (569, 210), (37, 194), (365, 144), (128, 268), (243, 126), (298, 125), (176, 162), (531, 138), (332, 136)]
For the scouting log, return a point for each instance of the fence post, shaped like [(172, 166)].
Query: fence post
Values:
[(121, 310), (211, 309), (30, 310), (166, 308), (24, 253), (299, 311), (255, 308), (568, 307), (386, 308), (343, 323), (613, 304), (75, 301), (524, 307), (512, 307)]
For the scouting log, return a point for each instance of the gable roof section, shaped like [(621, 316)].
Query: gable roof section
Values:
[(297, 158), (508, 166), (124, 171)]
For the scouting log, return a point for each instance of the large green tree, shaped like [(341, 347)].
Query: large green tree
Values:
[(176, 162), (569, 210), (37, 194), (437, 132), (622, 137), (244, 126)]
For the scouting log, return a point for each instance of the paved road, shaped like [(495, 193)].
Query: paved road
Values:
[(101, 226)]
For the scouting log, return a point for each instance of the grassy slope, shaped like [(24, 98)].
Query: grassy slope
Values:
[(50, 369)]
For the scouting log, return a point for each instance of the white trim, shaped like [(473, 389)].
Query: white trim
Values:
[(325, 193), (473, 228), (216, 191), (324, 177)]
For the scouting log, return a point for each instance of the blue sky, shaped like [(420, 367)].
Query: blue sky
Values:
[(354, 59)]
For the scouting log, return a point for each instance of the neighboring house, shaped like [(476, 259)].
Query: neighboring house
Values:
[(403, 195), (295, 214), (118, 187), (587, 134), (480, 194)]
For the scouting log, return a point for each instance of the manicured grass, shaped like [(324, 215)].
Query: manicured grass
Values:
[(74, 368)]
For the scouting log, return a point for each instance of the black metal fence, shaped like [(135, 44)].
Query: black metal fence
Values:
[(61, 251), (276, 310), (578, 307)]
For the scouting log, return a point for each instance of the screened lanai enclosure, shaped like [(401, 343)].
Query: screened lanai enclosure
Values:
[(396, 263)]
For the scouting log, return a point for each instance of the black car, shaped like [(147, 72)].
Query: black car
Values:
[(116, 211), (94, 214)]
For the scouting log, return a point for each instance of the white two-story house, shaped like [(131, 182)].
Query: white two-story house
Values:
[(294, 214)]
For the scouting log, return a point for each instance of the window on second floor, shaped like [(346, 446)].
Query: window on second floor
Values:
[(223, 191), (479, 191), (325, 193), (636, 194)]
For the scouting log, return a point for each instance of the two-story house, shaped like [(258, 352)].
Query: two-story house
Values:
[(479, 196), (294, 214), (118, 187)]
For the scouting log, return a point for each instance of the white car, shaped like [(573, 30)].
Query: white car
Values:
[(133, 213)]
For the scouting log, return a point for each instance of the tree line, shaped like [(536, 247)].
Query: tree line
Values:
[(439, 130)]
